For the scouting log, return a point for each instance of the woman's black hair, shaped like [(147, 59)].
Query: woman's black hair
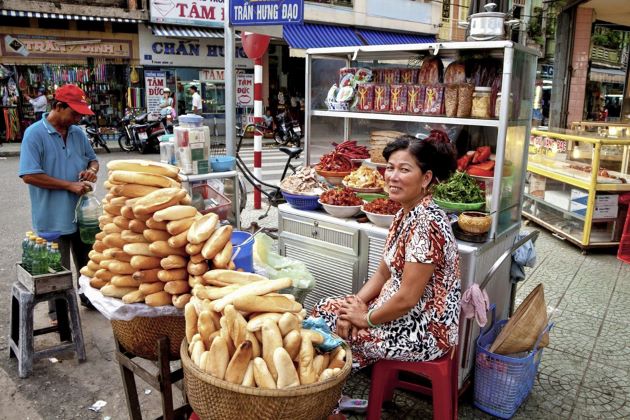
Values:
[(435, 154)]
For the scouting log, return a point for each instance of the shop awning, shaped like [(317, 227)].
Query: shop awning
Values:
[(372, 37), (607, 75), (42, 15), (175, 31), (311, 35)]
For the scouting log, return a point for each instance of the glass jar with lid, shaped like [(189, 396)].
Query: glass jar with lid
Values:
[(481, 102), (497, 105)]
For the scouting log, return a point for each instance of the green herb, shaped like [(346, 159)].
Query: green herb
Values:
[(460, 188)]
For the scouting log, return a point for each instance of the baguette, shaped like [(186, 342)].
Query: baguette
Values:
[(127, 212), (147, 276), (292, 342), (119, 255), (205, 326), (139, 249), (223, 258), (338, 359), (257, 288), (315, 337), (141, 262), (119, 267), (237, 366), (213, 293), (146, 179), (151, 288), (113, 240), (178, 241), (256, 321), (144, 166), (103, 274), (173, 261), (267, 304), (262, 376), (98, 283), (112, 210), (180, 301), (217, 242), (305, 362), (271, 340), (176, 274), (248, 378), (318, 365), (219, 358), (177, 287), (236, 325), (191, 343), (97, 257), (229, 276), (95, 267), (105, 219), (115, 291), (154, 235), (204, 360), (158, 299), (87, 271), (154, 224), (224, 332), (197, 269), (288, 322), (162, 249), (202, 228), (175, 227), (194, 249), (99, 246), (197, 351), (197, 259), (118, 200), (190, 315), (125, 281), (122, 222), (138, 226), (195, 280), (133, 190), (111, 228), (287, 375), (158, 200), (327, 374), (99, 236), (132, 237), (176, 212), (133, 297)]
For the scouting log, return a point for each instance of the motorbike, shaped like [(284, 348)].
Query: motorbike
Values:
[(93, 134), (137, 133), (287, 130)]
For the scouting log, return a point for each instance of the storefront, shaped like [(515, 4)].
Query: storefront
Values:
[(34, 59), (191, 57)]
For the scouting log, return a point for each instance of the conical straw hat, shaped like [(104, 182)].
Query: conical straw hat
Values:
[(522, 330)]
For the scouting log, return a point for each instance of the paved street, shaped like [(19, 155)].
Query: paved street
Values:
[(584, 373)]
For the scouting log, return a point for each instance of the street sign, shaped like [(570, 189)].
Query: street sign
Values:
[(266, 12)]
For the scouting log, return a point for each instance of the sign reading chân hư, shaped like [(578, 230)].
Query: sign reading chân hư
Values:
[(67, 47)]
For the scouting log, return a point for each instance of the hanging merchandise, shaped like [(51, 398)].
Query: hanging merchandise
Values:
[(133, 77), (12, 124), (4, 72)]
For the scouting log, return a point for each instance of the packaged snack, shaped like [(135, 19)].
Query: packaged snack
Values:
[(362, 75), (381, 98), (408, 76), (398, 98), (377, 76), (344, 71), (365, 97), (431, 71), (455, 73), (391, 76), (450, 100), (415, 99), (434, 100), (464, 100)]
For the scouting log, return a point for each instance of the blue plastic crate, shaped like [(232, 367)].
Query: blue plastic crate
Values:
[(301, 202), (222, 163), (502, 383)]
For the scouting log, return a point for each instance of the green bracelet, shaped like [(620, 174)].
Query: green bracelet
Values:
[(367, 318)]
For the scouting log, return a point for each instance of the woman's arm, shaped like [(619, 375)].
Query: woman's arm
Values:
[(373, 286)]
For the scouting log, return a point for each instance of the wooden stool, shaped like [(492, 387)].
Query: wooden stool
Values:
[(162, 381), (22, 330)]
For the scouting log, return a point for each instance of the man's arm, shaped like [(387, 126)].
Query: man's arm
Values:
[(51, 183), (90, 173)]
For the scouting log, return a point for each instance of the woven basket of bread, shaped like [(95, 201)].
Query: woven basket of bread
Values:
[(139, 336), (213, 398), (378, 140)]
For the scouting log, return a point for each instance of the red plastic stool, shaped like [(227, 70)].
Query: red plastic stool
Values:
[(623, 252), (441, 372)]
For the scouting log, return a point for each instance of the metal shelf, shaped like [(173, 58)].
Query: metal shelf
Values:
[(554, 207), (406, 118)]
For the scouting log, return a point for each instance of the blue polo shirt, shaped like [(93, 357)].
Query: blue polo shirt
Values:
[(43, 151)]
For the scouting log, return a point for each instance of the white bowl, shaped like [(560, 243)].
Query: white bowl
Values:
[(380, 220), (340, 211)]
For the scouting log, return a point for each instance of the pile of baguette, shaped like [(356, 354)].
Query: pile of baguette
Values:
[(240, 329), (153, 246)]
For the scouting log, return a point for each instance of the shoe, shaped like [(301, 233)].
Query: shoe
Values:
[(352, 404), (85, 302)]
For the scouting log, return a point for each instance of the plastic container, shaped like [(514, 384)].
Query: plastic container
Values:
[(192, 145), (213, 201), (222, 163), (88, 211), (481, 103), (167, 149), (243, 250), (302, 202)]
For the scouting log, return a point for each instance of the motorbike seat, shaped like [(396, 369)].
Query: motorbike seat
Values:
[(91, 131), (141, 118), (140, 126), (293, 152)]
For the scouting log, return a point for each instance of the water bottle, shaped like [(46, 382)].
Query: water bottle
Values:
[(28, 263), (54, 257), (40, 257), (88, 211), (25, 243)]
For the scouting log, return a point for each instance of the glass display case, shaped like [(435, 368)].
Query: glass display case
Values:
[(574, 183)]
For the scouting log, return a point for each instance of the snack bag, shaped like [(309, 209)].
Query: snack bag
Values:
[(365, 97), (391, 76), (381, 98), (415, 99), (408, 76), (398, 98), (434, 100)]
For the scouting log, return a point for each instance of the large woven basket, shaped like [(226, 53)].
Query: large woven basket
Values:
[(139, 336), (213, 398)]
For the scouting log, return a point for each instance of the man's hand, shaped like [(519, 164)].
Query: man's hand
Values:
[(79, 187), (88, 175)]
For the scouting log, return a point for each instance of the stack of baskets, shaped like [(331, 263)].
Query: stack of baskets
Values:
[(213, 398), (378, 140), (140, 335)]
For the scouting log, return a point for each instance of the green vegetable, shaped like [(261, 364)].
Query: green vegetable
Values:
[(459, 188)]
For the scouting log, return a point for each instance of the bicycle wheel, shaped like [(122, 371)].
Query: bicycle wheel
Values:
[(125, 143)]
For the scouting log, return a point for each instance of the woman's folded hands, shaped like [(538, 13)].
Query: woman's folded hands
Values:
[(352, 317)]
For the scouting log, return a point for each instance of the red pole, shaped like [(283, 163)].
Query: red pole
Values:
[(258, 120)]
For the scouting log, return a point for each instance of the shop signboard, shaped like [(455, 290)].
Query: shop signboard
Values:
[(209, 13), (244, 84), (177, 52), (154, 82), (63, 47), (266, 12)]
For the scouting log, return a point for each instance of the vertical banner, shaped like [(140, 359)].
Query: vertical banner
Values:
[(244, 90), (154, 83)]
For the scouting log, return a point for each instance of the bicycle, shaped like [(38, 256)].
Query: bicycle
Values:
[(272, 192)]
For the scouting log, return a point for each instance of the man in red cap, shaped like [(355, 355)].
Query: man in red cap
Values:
[(58, 164)]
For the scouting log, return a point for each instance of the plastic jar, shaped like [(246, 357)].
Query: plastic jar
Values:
[(192, 144), (497, 105), (481, 103)]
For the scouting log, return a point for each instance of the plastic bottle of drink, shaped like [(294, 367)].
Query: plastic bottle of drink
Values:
[(54, 257), (30, 249), (40, 257), (25, 244)]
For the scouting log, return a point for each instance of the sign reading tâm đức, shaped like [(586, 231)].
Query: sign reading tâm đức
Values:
[(266, 12)]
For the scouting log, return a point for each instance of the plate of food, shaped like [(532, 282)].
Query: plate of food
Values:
[(340, 202), (381, 211), (365, 180), (459, 193)]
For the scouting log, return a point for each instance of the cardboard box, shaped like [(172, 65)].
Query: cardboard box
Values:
[(600, 211), (581, 197), (537, 185), (560, 199)]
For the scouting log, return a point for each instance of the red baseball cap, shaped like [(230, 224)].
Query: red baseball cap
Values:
[(75, 97)]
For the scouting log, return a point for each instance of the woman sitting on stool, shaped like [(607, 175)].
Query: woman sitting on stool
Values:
[(409, 309)]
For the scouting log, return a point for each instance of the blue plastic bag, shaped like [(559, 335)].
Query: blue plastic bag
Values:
[(317, 324)]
